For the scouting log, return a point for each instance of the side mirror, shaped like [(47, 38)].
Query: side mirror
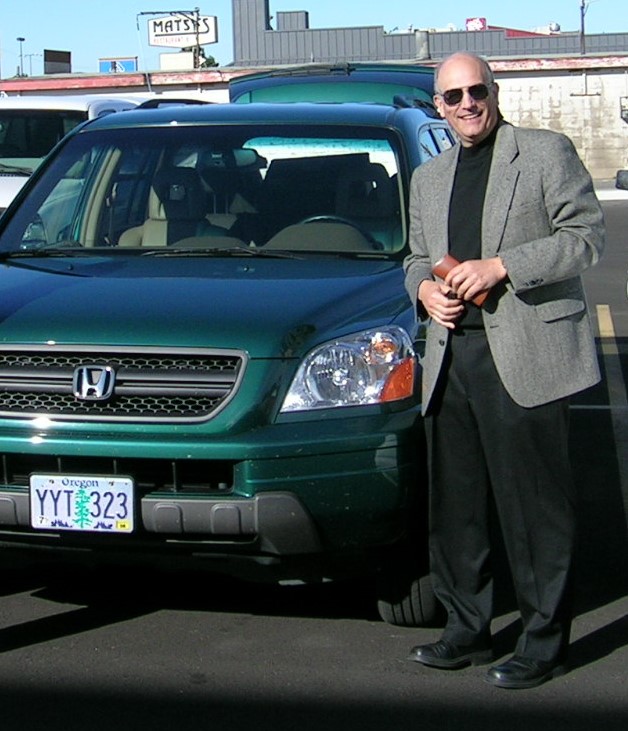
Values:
[(621, 179), (35, 235)]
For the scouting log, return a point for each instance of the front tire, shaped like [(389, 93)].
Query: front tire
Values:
[(407, 602)]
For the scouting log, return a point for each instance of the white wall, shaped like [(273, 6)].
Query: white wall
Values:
[(585, 105)]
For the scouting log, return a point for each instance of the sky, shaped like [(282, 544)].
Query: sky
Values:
[(92, 30)]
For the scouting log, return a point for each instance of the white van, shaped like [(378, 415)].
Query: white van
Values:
[(30, 126)]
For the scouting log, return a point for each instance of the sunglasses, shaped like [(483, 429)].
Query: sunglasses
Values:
[(477, 92)]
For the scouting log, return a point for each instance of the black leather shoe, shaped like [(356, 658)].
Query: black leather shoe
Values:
[(444, 654), (523, 672)]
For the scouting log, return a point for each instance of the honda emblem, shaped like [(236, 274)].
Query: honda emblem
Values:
[(93, 383)]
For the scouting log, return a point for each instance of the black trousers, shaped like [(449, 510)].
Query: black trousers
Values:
[(480, 442)]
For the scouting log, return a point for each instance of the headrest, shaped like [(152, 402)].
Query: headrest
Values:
[(181, 193), (364, 191)]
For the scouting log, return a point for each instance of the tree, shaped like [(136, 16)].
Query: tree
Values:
[(204, 62)]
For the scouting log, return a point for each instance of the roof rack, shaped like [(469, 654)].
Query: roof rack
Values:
[(156, 103)]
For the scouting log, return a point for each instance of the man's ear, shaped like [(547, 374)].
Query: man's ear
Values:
[(438, 103)]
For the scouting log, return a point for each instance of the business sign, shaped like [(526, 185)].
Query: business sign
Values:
[(57, 62), (117, 65), (476, 24), (183, 31)]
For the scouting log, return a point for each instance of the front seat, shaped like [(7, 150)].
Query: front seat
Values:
[(365, 195), (177, 205)]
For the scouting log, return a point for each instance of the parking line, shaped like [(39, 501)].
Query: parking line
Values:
[(617, 398), (605, 323)]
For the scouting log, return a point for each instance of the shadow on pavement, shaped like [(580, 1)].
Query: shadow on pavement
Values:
[(207, 709)]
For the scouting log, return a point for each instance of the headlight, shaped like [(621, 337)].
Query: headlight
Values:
[(371, 367)]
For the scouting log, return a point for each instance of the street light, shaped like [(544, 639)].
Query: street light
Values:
[(583, 11), (20, 41), (584, 6)]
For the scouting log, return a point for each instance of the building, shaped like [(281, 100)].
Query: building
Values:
[(255, 43)]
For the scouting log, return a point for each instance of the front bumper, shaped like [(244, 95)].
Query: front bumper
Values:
[(276, 522), (293, 491)]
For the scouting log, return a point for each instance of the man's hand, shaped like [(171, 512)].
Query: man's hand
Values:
[(440, 303), (469, 278)]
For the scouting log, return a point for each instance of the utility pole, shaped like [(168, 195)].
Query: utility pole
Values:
[(29, 56), (194, 16), (21, 40), (583, 10)]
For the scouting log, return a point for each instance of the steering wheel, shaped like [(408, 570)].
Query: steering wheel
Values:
[(330, 218)]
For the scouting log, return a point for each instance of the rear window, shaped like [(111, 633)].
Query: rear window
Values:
[(329, 91)]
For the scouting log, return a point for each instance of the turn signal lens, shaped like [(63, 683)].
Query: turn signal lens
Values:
[(400, 383)]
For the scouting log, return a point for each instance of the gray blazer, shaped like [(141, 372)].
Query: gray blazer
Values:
[(542, 217)]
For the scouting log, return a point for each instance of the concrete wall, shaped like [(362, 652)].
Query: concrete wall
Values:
[(584, 105)]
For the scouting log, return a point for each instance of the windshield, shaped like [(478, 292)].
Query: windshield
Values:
[(28, 135), (217, 188)]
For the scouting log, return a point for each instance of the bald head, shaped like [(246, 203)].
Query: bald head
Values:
[(467, 97)]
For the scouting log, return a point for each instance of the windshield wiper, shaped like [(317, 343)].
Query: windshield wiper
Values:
[(59, 250), (36, 261), (226, 251), (33, 254)]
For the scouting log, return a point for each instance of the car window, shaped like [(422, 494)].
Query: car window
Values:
[(356, 91), (52, 222), (27, 135), (434, 139), (283, 188), (444, 137), (429, 148)]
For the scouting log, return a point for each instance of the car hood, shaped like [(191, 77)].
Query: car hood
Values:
[(268, 307)]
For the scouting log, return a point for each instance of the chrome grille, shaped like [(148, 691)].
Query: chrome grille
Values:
[(151, 384)]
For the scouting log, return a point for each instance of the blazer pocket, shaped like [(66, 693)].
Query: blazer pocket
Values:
[(559, 309), (555, 301)]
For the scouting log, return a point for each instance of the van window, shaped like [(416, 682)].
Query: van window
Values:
[(31, 134)]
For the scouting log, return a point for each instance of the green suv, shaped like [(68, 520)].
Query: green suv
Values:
[(206, 349)]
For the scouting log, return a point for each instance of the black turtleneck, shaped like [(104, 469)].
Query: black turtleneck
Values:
[(465, 209)]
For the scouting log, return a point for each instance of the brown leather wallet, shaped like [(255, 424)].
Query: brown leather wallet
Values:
[(445, 265)]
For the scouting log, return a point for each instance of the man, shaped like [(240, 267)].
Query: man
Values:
[(517, 208)]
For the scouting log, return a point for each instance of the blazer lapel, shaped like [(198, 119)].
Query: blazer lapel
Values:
[(500, 190), (441, 187)]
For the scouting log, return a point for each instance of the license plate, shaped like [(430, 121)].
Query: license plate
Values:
[(82, 503)]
